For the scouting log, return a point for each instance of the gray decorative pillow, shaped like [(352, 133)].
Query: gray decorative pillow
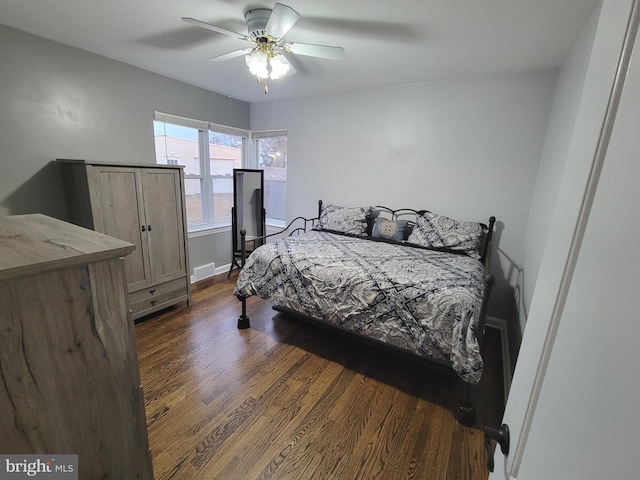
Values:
[(389, 229), (433, 230), (344, 219)]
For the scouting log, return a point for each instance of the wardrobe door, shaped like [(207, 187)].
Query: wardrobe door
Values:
[(162, 194), (118, 211)]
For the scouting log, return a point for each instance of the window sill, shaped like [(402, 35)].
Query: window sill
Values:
[(276, 224), (208, 230)]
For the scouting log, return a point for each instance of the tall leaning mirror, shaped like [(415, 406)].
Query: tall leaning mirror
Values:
[(247, 212)]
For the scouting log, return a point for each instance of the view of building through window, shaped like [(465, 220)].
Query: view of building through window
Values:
[(225, 154), (209, 186), (178, 145)]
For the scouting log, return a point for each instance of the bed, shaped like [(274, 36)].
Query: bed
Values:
[(410, 281)]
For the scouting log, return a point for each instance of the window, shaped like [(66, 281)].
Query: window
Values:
[(178, 145), (271, 153), (209, 184)]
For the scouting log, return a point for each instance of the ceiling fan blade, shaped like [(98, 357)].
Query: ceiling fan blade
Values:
[(292, 68), (296, 66), (311, 50), (281, 20), (230, 55), (208, 26)]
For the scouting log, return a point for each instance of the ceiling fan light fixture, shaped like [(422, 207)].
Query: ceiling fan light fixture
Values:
[(265, 63), (266, 31), (258, 63), (278, 67)]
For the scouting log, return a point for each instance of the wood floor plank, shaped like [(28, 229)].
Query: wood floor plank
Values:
[(242, 402), (287, 401), (378, 440), (289, 422), (311, 431)]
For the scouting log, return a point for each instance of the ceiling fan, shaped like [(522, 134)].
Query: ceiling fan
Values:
[(267, 57)]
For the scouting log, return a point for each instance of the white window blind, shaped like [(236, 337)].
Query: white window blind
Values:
[(182, 121), (267, 133), (200, 124)]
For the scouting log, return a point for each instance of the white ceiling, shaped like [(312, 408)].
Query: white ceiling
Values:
[(395, 42)]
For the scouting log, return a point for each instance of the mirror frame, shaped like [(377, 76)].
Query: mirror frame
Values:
[(239, 209)]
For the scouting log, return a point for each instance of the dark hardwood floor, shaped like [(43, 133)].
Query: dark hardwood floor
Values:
[(286, 400)]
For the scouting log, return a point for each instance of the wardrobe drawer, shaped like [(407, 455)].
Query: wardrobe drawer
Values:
[(150, 305), (158, 290)]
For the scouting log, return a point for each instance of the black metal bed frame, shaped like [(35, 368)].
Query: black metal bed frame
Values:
[(466, 412)]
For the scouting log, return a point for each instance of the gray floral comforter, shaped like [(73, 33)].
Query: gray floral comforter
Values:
[(422, 301)]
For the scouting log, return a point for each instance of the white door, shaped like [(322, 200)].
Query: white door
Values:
[(573, 406)]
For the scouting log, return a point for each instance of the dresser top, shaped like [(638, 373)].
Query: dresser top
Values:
[(36, 243)]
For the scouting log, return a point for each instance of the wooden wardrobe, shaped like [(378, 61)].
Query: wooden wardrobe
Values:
[(68, 360), (143, 205)]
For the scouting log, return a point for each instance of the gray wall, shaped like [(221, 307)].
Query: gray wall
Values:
[(61, 102), (561, 126), (467, 148)]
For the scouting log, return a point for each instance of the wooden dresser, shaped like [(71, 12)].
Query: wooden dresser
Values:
[(68, 362), (143, 205)]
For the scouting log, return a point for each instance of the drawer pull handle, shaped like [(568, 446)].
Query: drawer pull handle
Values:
[(153, 302), (151, 292)]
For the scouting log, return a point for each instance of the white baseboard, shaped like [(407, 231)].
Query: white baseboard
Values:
[(223, 269), (501, 325)]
